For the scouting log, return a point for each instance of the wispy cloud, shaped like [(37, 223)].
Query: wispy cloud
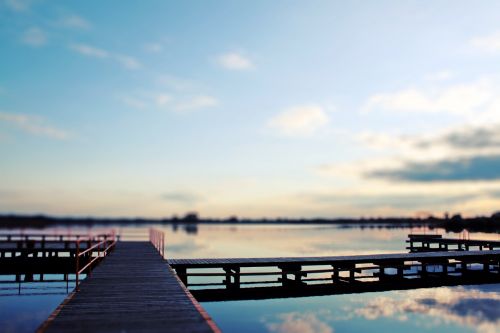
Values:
[(457, 154), (34, 37), (461, 141), (473, 168), (196, 103), (460, 99), (299, 120), (162, 99), (153, 47), (443, 75), (133, 102), (169, 101), (183, 197), (127, 61), (18, 5), (33, 125), (235, 61), (91, 51), (74, 22), (487, 44)]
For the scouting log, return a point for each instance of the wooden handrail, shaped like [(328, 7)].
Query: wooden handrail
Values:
[(101, 252), (157, 238)]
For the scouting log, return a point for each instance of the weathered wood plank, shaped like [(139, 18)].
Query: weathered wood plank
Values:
[(132, 290), (371, 258)]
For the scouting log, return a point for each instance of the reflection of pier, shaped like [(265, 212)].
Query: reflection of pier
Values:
[(433, 243)]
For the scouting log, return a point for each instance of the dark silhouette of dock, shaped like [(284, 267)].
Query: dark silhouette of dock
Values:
[(30, 257), (263, 278), (132, 290), (433, 243)]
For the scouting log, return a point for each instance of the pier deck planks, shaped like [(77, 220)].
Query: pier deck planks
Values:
[(132, 290), (370, 258)]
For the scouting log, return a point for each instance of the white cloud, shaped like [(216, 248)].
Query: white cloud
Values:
[(91, 51), (162, 99), (166, 101), (127, 61), (235, 61), (439, 76), (197, 102), (18, 5), (459, 99), (299, 120), (299, 323), (178, 83), (153, 47), (34, 37), (134, 102), (487, 44), (75, 22), (33, 125)]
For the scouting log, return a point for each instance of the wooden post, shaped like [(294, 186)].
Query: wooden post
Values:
[(486, 266), (463, 268), (227, 281), (335, 274), (77, 280), (236, 277), (400, 271), (182, 274), (298, 273), (423, 273)]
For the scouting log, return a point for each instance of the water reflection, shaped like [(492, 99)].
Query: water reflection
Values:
[(296, 322), (470, 307), (457, 309), (216, 241)]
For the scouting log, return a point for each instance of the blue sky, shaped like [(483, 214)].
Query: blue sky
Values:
[(282, 108)]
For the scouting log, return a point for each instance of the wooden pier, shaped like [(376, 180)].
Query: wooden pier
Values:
[(258, 278), (132, 290), (29, 257), (433, 243)]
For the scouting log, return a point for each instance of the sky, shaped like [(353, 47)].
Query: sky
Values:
[(249, 108)]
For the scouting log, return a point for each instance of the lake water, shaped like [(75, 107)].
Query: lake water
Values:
[(457, 309)]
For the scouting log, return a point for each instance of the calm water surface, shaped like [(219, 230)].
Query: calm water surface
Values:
[(457, 309)]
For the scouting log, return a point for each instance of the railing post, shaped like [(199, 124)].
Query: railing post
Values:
[(77, 265), (163, 245)]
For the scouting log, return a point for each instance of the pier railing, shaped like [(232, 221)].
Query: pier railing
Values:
[(85, 259), (157, 238), (28, 255)]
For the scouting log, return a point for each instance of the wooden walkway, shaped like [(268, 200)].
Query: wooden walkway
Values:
[(367, 258), (132, 290), (260, 278), (433, 243)]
